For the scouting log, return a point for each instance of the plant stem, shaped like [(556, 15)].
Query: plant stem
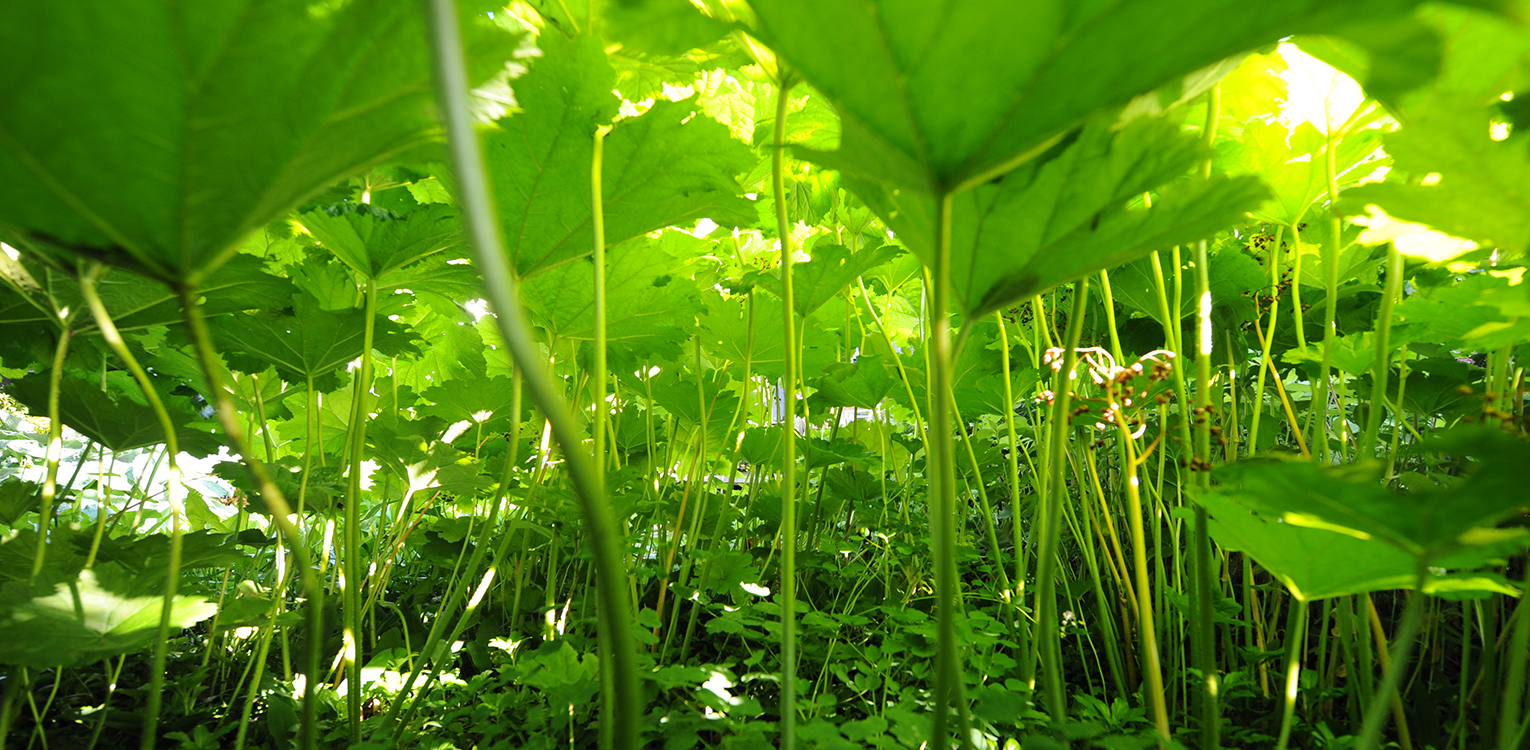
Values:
[(356, 431), (615, 611), (173, 565), (55, 450), (1392, 674), (1204, 641), (941, 473), (1296, 633), (1382, 367), (788, 586), (1049, 646), (281, 513)]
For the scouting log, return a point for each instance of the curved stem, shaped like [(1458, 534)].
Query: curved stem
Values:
[(1402, 651), (173, 565), (1382, 367), (1153, 666), (615, 610), (281, 512), (55, 450)]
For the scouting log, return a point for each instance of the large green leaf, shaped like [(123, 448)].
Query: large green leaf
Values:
[(136, 302), (936, 94), (1426, 524), (828, 272), (1478, 188), (308, 343), (669, 166), (651, 306), (103, 612), (159, 136), (1061, 217), (118, 417), (1318, 564)]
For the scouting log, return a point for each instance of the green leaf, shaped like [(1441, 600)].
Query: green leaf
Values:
[(656, 172), (1477, 188), (861, 384), (661, 27), (1069, 214), (651, 305), (119, 417), (374, 242), (311, 343), (1319, 564), (226, 117), (1424, 524), (101, 613), (17, 498), (935, 95), (485, 401), (831, 269)]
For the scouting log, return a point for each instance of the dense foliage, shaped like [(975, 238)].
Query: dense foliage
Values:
[(790, 373)]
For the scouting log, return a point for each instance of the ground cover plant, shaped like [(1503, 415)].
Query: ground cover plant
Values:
[(833, 374)]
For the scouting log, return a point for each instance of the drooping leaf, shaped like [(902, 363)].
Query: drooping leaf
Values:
[(120, 417), (1424, 524), (164, 164), (1477, 187), (1065, 216), (935, 95)]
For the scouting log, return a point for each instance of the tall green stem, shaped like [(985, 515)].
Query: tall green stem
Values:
[(55, 450), (1205, 583), (615, 610), (1048, 644), (1331, 253), (1296, 635), (1397, 665), (788, 433), (1382, 367), (941, 474), (281, 512), (356, 431), (172, 486)]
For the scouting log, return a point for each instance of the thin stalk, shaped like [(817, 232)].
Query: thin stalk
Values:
[(1331, 251), (114, 340), (1382, 367), (357, 432), (1048, 645), (1402, 651), (1517, 658), (1149, 632), (1296, 634), (615, 612), (55, 450), (281, 512), (1264, 346), (789, 433), (1022, 645), (1204, 641)]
